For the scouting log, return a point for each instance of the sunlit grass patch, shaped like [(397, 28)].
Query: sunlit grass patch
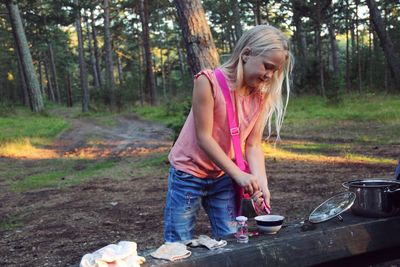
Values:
[(28, 125), (309, 147), (27, 148), (157, 113), (24, 134), (102, 118), (63, 173), (358, 118), (278, 153), (367, 107), (367, 159)]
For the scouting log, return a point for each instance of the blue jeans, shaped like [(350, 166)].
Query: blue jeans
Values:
[(185, 192)]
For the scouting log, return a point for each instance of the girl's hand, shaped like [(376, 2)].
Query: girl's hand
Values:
[(248, 181), (266, 196)]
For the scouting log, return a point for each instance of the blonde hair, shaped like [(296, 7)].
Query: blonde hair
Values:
[(261, 39)]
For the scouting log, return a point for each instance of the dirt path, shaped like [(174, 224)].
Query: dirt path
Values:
[(56, 227), (129, 137)]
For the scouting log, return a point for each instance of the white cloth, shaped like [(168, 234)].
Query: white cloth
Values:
[(171, 251), (124, 254), (208, 242)]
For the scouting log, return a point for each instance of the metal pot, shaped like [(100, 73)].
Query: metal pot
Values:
[(375, 198)]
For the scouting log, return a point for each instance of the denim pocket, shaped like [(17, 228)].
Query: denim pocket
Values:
[(182, 175)]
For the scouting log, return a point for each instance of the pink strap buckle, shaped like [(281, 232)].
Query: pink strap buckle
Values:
[(234, 131)]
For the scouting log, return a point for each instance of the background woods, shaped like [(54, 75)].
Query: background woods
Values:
[(93, 92), (127, 52)]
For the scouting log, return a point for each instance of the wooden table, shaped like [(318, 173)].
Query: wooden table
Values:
[(356, 241)]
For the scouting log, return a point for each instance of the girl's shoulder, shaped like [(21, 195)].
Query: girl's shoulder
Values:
[(209, 74)]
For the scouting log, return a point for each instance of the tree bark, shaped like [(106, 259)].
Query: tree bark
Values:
[(50, 90), (25, 92), (32, 82), (358, 51), (150, 80), (110, 84), (22, 80), (334, 49), (385, 40), (92, 57), (180, 57), (96, 48), (54, 72), (40, 76), (120, 72), (200, 47), (236, 18), (347, 49), (68, 90), (257, 12), (82, 64), (301, 43), (318, 43)]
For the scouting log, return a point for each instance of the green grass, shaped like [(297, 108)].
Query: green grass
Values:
[(158, 114), (360, 118), (102, 118), (24, 124), (10, 223), (365, 108), (64, 173)]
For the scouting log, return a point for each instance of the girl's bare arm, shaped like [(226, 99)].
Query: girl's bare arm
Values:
[(203, 112)]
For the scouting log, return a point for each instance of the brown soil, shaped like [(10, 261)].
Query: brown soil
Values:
[(58, 226)]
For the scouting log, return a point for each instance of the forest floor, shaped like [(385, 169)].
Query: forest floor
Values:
[(57, 225)]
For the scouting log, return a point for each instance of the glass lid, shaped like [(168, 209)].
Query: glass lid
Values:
[(332, 207)]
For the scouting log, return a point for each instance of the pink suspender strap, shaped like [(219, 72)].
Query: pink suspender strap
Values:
[(232, 120)]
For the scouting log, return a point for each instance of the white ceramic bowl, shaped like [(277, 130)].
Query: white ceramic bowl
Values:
[(269, 224)]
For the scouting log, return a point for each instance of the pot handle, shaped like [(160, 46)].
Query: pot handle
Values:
[(347, 184), (392, 191), (395, 194)]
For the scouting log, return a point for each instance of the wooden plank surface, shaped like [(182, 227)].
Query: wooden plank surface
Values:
[(295, 245)]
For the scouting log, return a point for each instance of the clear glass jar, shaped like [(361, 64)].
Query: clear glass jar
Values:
[(242, 233)]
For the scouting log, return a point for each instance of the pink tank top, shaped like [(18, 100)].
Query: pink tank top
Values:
[(187, 156)]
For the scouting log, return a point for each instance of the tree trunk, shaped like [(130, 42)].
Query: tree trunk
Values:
[(50, 90), (82, 64), (150, 80), (257, 12), (54, 72), (370, 61), (386, 42), (358, 51), (26, 58), (92, 57), (164, 87), (141, 89), (200, 47), (236, 18), (68, 90), (40, 76), (347, 49), (25, 92), (110, 85), (120, 73), (22, 80), (96, 48), (318, 43), (301, 44), (320, 60), (334, 49), (181, 63)]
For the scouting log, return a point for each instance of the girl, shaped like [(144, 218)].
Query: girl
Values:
[(202, 166)]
